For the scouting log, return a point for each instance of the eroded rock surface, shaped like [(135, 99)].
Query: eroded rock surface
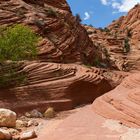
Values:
[(122, 103), (119, 43), (63, 38), (86, 124), (61, 86)]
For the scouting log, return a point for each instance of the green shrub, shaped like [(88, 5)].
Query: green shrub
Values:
[(126, 47), (39, 23), (96, 62), (51, 12), (90, 25), (129, 33), (78, 18), (17, 42), (88, 65), (106, 30), (101, 29), (10, 75)]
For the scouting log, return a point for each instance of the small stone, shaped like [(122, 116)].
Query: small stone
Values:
[(5, 128), (5, 135), (7, 118), (24, 118), (13, 131), (20, 124), (16, 138), (32, 123), (34, 114), (49, 113), (28, 135), (27, 114)]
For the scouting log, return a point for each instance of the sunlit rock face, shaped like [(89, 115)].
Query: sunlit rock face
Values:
[(63, 38), (62, 86), (121, 40), (122, 103)]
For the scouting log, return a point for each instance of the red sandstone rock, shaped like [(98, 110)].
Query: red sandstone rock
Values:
[(63, 38), (122, 103), (87, 125), (113, 116), (111, 41), (61, 86)]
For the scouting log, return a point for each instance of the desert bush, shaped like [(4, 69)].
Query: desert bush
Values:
[(78, 18), (101, 29), (10, 75), (106, 29), (51, 12), (39, 23), (17, 43), (90, 25), (96, 62), (126, 47), (129, 33)]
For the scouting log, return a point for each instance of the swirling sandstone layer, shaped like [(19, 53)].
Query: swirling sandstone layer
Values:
[(63, 38), (113, 116), (129, 23), (119, 43), (63, 86), (122, 103)]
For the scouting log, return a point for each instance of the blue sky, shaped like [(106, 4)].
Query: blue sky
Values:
[(100, 13)]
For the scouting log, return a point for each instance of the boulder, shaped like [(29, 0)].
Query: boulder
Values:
[(7, 118), (49, 113), (20, 124), (28, 135), (13, 131), (5, 135)]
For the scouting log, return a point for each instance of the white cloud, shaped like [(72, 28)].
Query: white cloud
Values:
[(126, 5), (87, 16), (121, 5), (104, 2)]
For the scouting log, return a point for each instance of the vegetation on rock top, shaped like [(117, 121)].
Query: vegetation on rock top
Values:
[(17, 43)]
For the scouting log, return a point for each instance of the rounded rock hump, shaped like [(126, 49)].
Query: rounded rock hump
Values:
[(7, 118)]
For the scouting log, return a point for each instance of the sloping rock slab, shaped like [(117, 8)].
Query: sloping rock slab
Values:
[(85, 125)]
